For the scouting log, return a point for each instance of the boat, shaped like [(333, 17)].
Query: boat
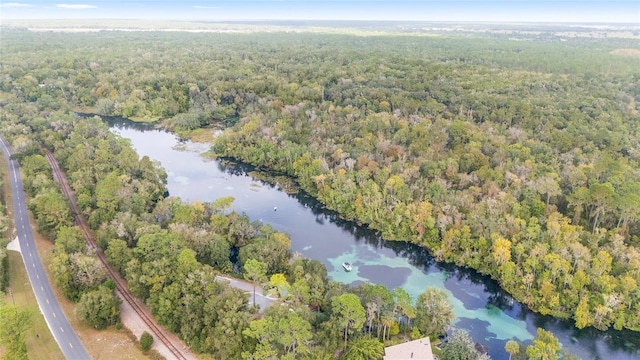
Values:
[(346, 266)]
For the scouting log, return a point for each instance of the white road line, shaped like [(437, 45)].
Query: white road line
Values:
[(61, 329), (42, 288), (71, 345), (47, 301), (54, 314)]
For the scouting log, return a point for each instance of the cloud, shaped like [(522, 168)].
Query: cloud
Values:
[(15, 5), (75, 6), (205, 7)]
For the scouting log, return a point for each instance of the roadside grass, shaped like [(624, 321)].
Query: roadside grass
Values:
[(40, 342), (111, 343)]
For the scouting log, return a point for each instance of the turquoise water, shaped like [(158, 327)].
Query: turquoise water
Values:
[(416, 280), (481, 307)]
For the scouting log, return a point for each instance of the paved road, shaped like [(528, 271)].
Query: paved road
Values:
[(263, 301), (59, 326)]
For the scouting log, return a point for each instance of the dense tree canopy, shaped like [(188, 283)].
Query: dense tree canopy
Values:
[(13, 325), (515, 158), (99, 308)]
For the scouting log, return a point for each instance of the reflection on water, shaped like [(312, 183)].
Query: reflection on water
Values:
[(489, 314)]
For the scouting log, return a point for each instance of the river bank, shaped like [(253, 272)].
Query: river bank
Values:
[(490, 314)]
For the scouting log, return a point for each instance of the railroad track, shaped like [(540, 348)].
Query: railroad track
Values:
[(121, 287)]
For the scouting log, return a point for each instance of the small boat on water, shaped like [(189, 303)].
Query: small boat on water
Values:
[(346, 266)]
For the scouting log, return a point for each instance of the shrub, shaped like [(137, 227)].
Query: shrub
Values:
[(146, 340)]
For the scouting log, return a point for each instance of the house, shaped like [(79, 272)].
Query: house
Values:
[(417, 349)]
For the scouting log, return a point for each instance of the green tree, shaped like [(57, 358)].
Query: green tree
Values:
[(512, 347), (379, 301), (545, 346), (582, 316), (272, 249), (364, 348), (404, 304), (280, 283), (3, 265), (227, 308), (146, 340), (282, 333), (118, 254), (70, 240), (99, 308), (349, 312), (52, 212), (255, 271), (434, 312), (13, 326), (602, 198), (262, 331), (459, 346), (60, 270)]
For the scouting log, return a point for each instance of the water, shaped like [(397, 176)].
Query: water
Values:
[(488, 313)]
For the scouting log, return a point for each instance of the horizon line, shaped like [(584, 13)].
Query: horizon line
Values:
[(195, 20)]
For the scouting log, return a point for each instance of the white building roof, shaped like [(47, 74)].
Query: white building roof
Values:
[(417, 350)]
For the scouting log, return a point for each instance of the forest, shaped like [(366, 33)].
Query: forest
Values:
[(515, 158)]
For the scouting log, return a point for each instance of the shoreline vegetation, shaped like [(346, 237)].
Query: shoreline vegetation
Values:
[(489, 152)]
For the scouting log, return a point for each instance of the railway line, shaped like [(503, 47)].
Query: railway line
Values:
[(121, 286)]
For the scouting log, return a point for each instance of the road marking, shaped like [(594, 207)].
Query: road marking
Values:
[(54, 314), (71, 345), (47, 301), (34, 265), (37, 276), (61, 329), (42, 288), (30, 254)]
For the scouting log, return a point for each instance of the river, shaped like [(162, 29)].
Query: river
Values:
[(489, 314)]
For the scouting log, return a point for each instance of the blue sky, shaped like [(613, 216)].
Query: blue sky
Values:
[(618, 11)]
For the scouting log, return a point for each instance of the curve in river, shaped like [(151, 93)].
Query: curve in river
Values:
[(481, 307)]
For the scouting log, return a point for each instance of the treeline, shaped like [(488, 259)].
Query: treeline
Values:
[(514, 158), (527, 177), (170, 253), (4, 226)]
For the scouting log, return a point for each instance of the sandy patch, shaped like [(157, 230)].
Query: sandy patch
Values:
[(626, 52), (14, 245), (132, 321)]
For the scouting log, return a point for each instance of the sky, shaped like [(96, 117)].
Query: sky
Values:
[(603, 11)]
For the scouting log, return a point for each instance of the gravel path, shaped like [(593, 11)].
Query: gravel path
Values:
[(134, 323)]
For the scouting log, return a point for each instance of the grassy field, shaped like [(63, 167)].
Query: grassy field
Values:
[(40, 343), (106, 344)]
